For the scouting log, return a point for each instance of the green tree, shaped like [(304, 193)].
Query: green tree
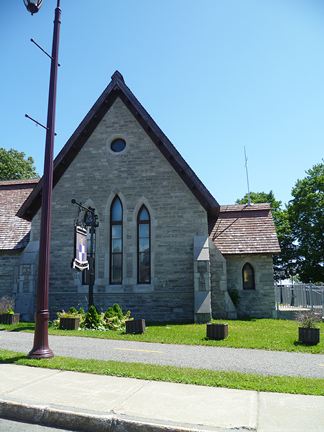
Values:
[(14, 166), (284, 264), (306, 217), (261, 197)]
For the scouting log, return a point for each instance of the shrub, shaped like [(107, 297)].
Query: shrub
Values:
[(71, 313), (112, 319), (6, 305), (92, 319), (115, 319), (308, 319)]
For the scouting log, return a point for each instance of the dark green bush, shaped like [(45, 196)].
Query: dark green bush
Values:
[(92, 319), (114, 311), (114, 318)]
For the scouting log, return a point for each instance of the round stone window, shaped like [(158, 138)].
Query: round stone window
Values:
[(118, 145)]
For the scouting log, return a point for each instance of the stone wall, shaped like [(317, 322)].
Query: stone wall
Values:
[(222, 305), (202, 285), (8, 268), (139, 175), (259, 303)]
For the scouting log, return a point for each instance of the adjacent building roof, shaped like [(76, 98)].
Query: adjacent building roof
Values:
[(244, 229), (118, 88), (14, 232)]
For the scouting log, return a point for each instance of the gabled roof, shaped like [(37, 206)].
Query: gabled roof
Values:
[(244, 229), (118, 88), (14, 232)]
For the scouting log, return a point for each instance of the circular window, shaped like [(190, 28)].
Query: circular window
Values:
[(118, 145)]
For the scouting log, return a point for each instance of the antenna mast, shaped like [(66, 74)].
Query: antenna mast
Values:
[(247, 178)]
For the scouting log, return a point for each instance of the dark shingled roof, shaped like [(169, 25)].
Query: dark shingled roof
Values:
[(118, 88), (243, 229), (14, 232)]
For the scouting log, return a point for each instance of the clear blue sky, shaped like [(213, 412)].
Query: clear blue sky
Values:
[(216, 75)]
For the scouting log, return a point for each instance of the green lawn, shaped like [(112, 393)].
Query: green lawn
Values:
[(269, 334), (235, 380)]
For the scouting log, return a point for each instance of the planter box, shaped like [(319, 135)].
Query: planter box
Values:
[(309, 336), (135, 326), (69, 323), (217, 331), (9, 318)]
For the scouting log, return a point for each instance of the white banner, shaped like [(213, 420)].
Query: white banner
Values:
[(80, 261)]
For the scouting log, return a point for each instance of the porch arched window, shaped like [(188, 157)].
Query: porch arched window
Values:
[(143, 246), (116, 242), (248, 277)]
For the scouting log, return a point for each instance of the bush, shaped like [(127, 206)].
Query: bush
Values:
[(308, 319), (92, 319), (71, 313), (114, 318), (6, 305)]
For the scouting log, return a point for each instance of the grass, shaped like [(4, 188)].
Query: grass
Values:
[(234, 380), (268, 334)]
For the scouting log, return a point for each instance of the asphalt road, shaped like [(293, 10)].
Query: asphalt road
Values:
[(198, 357), (14, 426)]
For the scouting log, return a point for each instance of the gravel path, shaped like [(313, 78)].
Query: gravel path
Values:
[(198, 357)]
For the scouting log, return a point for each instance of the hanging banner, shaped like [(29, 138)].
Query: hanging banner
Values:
[(80, 261)]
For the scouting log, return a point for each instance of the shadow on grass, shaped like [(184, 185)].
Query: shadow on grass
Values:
[(297, 343), (13, 359), (18, 329)]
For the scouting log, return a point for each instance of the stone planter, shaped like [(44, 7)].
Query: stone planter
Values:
[(217, 331), (9, 318), (69, 323), (135, 326), (308, 336)]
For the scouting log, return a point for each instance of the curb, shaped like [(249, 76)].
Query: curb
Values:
[(85, 422)]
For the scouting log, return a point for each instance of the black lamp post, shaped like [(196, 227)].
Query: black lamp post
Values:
[(41, 348), (90, 220)]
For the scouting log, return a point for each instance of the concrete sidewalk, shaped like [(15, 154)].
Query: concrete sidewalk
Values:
[(86, 402)]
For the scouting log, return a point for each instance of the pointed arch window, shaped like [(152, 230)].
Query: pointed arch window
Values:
[(248, 277), (116, 241), (143, 246)]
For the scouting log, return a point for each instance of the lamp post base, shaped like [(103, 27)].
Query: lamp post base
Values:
[(41, 348), (39, 353)]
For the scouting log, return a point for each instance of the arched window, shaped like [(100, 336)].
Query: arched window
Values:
[(116, 241), (143, 246), (248, 277)]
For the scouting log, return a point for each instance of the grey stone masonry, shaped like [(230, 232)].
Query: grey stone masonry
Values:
[(222, 305), (139, 175), (25, 286), (8, 277), (258, 302), (202, 279)]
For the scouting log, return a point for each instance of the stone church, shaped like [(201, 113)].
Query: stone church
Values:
[(164, 248)]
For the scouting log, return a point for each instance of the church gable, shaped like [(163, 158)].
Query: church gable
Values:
[(136, 250)]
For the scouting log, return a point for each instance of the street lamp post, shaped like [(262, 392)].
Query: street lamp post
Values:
[(90, 219), (41, 348)]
